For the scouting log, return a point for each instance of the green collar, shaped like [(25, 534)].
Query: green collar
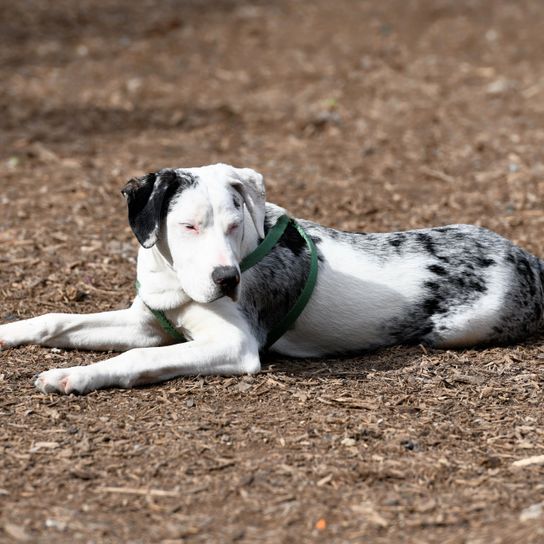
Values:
[(265, 247), (261, 251)]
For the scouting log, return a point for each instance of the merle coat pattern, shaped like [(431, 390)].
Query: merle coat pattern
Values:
[(447, 287)]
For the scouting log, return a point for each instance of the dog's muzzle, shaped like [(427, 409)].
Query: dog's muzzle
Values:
[(227, 279)]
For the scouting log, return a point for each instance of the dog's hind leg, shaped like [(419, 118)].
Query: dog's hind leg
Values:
[(116, 330)]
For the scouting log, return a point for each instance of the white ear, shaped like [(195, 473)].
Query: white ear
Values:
[(250, 185)]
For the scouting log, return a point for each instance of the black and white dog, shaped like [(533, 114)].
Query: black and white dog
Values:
[(447, 287)]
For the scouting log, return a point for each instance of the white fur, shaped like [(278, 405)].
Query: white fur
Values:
[(361, 293)]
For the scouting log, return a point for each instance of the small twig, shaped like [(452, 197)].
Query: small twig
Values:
[(442, 176), (528, 461), (100, 290), (138, 491), (18, 242)]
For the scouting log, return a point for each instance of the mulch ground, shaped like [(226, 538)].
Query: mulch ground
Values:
[(362, 115)]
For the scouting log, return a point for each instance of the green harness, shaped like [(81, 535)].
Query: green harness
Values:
[(261, 251)]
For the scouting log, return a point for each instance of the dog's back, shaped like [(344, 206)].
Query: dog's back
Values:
[(451, 286)]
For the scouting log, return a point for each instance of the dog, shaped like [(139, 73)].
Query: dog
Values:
[(449, 287)]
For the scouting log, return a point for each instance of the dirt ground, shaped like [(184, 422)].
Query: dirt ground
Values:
[(361, 115)]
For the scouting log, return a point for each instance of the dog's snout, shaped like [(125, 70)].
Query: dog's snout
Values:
[(227, 277)]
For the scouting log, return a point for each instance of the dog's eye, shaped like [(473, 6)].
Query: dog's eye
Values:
[(232, 228), (190, 228)]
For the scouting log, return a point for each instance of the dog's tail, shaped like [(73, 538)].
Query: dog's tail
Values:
[(540, 264), (523, 312), (539, 298)]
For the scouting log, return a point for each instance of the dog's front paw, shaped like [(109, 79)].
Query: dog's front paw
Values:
[(16, 334), (6, 339), (75, 379)]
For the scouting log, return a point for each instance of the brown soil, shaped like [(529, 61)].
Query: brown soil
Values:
[(362, 115)]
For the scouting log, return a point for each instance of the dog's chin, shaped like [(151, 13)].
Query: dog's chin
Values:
[(207, 299), (233, 295)]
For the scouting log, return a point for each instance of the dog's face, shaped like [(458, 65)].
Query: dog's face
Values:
[(196, 218)]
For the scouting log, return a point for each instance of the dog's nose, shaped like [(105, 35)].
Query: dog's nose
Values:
[(227, 277)]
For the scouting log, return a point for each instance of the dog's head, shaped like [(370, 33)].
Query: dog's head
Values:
[(196, 219)]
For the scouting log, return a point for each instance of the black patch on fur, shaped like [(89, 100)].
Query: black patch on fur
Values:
[(438, 270), (431, 306), (477, 284), (397, 240), (424, 331), (426, 242), (433, 286), (148, 199), (291, 238), (459, 281)]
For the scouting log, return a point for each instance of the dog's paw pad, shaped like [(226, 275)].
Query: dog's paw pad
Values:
[(64, 384)]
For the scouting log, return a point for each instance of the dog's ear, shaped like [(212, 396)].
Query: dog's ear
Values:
[(148, 198), (250, 185)]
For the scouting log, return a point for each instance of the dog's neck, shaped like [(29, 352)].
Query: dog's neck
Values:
[(159, 288)]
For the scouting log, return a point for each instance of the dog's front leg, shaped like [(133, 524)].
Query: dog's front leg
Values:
[(151, 365), (228, 348), (116, 330)]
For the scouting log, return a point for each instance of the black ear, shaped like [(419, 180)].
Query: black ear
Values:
[(148, 198)]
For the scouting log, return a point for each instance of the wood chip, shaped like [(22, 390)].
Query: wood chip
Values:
[(528, 461), (44, 446), (138, 491), (324, 480), (16, 532), (347, 402)]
